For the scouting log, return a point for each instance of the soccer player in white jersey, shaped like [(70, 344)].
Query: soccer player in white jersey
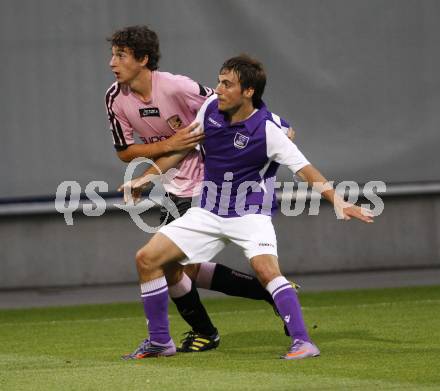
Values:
[(157, 106), (243, 148)]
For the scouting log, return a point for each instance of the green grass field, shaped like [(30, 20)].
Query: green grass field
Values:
[(371, 339)]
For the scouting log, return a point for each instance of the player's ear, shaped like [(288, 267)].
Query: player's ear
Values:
[(248, 93), (144, 61)]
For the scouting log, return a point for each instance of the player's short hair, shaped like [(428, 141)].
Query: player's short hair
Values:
[(141, 40), (250, 72)]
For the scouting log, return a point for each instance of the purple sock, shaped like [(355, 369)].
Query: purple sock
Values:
[(155, 299), (288, 307)]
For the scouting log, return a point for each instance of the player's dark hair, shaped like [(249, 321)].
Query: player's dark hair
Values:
[(250, 73), (141, 40)]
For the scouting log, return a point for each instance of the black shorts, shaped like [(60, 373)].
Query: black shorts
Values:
[(182, 204)]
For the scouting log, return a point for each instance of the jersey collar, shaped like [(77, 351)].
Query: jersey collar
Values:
[(251, 123)]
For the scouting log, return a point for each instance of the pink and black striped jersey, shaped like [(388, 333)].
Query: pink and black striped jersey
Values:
[(174, 103)]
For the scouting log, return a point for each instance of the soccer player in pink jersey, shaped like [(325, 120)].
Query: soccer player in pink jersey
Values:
[(156, 105)]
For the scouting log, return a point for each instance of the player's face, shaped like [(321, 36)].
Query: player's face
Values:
[(229, 92), (124, 66)]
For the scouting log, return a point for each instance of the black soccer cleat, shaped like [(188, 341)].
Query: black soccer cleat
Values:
[(196, 342)]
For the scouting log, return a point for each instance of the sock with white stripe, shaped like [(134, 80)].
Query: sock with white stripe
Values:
[(288, 306), (155, 299)]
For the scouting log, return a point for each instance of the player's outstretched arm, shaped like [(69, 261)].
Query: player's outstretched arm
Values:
[(184, 139), (343, 209)]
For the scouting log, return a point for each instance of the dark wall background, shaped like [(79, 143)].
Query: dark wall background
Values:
[(358, 79)]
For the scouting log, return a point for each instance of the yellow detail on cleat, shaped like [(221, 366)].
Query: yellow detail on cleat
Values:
[(198, 344), (202, 340), (194, 348)]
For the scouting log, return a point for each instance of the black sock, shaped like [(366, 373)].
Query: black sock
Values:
[(234, 283), (192, 310)]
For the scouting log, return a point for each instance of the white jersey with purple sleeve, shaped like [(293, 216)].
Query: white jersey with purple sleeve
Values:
[(241, 161), (174, 103)]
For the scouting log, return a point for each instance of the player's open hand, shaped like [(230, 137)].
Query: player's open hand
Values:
[(133, 189), (347, 211), (186, 138)]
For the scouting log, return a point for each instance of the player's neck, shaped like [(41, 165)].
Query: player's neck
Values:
[(142, 85), (241, 113)]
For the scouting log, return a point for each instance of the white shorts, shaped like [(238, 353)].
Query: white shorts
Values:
[(201, 235)]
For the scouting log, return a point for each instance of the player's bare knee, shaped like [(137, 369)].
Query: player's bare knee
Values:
[(145, 261)]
